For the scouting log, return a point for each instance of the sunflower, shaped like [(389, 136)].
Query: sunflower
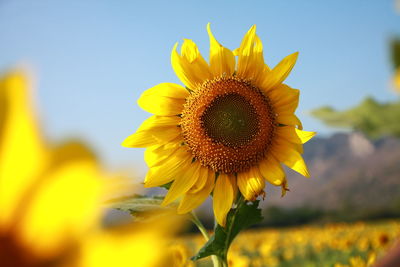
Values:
[(229, 127), (51, 198), (396, 80)]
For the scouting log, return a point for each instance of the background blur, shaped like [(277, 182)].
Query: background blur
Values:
[(92, 59)]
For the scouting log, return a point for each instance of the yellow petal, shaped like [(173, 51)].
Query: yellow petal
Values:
[(130, 245), (298, 147), (272, 170), (251, 184), (294, 135), (159, 122), (250, 57), (222, 198), (165, 99), (193, 199), (22, 152), (150, 138), (183, 182), (289, 119), (69, 152), (204, 173), (258, 52), (153, 131), (163, 133), (190, 66), (245, 52), (258, 58), (62, 208), (156, 155), (172, 90), (396, 80), (236, 51), (140, 139), (3, 109), (169, 170), (284, 99), (222, 60), (278, 74), (234, 186), (286, 153)]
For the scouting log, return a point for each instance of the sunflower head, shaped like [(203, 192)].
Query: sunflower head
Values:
[(228, 124), (229, 128)]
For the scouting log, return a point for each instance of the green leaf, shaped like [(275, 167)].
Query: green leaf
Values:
[(373, 118), (238, 219), (139, 206)]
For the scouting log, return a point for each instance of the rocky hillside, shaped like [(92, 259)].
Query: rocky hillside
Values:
[(348, 171)]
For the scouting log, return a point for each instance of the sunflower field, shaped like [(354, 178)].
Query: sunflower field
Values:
[(337, 245)]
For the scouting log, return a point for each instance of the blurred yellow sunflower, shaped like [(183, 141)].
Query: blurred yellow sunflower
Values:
[(230, 127), (396, 80), (50, 198)]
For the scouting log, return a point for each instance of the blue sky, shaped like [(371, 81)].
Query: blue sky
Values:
[(93, 58)]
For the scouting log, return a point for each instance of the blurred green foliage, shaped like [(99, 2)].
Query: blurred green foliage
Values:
[(282, 217), (278, 217), (395, 48), (372, 118)]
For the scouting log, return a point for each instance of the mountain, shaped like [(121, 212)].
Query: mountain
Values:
[(348, 171)]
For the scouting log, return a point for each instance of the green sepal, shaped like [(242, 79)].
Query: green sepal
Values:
[(167, 186)]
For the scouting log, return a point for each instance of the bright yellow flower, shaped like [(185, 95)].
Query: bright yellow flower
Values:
[(357, 262), (230, 127), (396, 80), (47, 195), (237, 260), (50, 198), (142, 245), (180, 256)]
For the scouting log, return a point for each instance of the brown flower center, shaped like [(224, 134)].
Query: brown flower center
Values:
[(12, 253), (228, 124)]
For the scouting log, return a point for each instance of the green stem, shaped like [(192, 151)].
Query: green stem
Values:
[(199, 225), (242, 216), (216, 260), (241, 201), (223, 262)]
